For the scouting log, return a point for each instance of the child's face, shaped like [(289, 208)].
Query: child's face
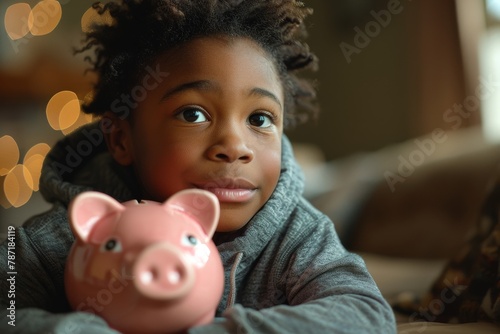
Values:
[(215, 122)]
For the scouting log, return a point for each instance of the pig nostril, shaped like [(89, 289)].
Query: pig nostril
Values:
[(174, 277), (152, 275), (163, 272), (149, 276)]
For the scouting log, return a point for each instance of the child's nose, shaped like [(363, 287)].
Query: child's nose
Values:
[(230, 146)]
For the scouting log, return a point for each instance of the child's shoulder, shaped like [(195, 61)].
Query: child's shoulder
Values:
[(308, 222), (309, 215), (48, 233)]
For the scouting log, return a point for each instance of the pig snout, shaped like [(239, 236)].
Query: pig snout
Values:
[(161, 271)]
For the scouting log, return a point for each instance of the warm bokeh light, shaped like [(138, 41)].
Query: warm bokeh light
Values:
[(45, 17), (3, 201), (17, 20), (69, 114), (9, 154), (16, 188), (63, 111), (33, 170), (33, 160), (91, 16), (39, 149), (63, 106), (81, 120)]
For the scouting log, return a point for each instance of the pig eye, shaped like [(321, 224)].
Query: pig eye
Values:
[(112, 245), (190, 240)]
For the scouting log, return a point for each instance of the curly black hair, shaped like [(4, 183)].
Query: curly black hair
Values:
[(143, 29)]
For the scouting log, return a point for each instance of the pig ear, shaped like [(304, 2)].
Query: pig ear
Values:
[(202, 205), (87, 209)]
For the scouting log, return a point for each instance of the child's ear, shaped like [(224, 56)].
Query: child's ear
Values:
[(118, 139)]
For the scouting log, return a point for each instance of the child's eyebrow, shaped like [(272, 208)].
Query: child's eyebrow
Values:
[(203, 85), (207, 85), (265, 93)]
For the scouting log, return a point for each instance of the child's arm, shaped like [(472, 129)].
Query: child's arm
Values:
[(32, 298), (36, 321), (324, 289)]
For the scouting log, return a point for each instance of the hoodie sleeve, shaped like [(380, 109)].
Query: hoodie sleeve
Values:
[(339, 309), (32, 298), (325, 289)]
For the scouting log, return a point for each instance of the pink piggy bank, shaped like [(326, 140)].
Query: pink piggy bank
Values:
[(145, 267)]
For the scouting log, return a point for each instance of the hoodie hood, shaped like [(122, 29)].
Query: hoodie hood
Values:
[(81, 162)]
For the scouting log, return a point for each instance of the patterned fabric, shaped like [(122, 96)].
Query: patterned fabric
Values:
[(468, 289)]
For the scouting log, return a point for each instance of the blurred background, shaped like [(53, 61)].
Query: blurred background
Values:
[(390, 71)]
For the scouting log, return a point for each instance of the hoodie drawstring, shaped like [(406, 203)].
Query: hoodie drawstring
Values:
[(232, 280)]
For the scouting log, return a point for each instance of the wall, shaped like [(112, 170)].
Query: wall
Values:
[(402, 71)]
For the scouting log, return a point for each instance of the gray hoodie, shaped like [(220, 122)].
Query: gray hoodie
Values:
[(286, 270)]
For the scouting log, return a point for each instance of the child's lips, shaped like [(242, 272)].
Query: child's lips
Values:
[(228, 195), (230, 190)]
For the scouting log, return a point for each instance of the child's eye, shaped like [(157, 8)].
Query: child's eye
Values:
[(192, 115), (261, 120)]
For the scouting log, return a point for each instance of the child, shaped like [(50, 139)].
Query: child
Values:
[(195, 94)]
